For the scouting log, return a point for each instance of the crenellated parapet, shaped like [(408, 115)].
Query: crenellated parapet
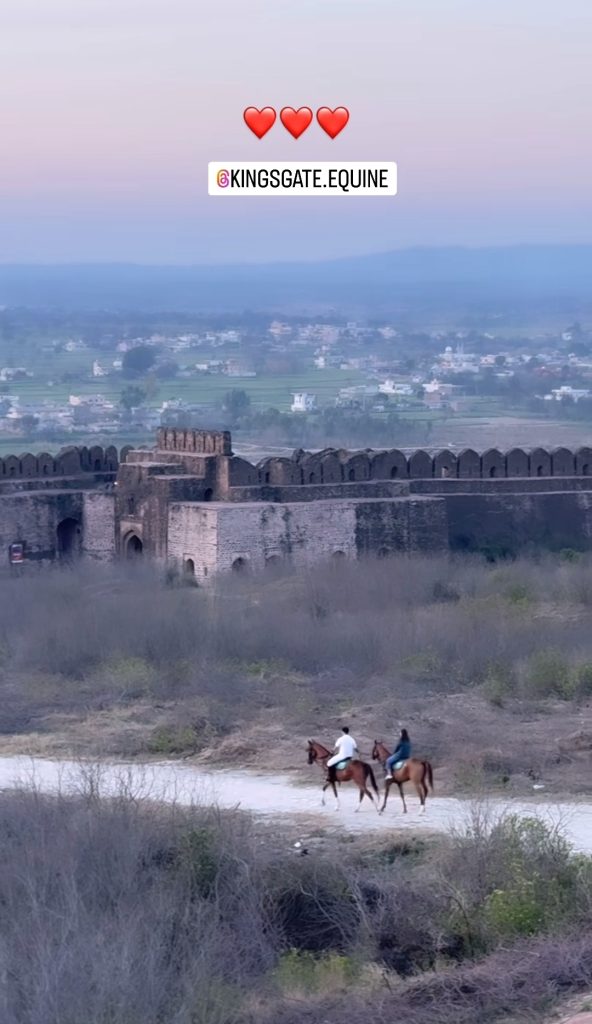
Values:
[(339, 466), (329, 466), (70, 461), (194, 442)]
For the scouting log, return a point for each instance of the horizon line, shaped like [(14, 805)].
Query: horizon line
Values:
[(290, 262)]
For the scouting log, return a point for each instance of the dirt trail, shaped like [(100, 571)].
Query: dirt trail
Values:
[(275, 796)]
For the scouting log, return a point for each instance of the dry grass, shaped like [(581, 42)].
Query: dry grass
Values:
[(490, 665), (119, 912)]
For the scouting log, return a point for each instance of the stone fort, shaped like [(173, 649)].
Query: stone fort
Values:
[(189, 503)]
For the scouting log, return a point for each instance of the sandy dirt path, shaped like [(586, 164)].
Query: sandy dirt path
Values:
[(274, 797)]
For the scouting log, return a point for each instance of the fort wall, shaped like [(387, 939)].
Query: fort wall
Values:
[(70, 461), (204, 442), (226, 536), (221, 537), (509, 523), (98, 525), (332, 466), (190, 500), (32, 519)]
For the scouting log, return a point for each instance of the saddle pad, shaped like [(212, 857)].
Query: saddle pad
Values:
[(342, 764), (398, 765)]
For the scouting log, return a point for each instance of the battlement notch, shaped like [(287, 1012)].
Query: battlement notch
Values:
[(197, 442)]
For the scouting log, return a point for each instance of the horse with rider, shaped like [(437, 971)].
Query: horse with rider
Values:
[(343, 764)]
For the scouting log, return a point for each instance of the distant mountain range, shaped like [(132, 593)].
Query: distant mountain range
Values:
[(550, 276)]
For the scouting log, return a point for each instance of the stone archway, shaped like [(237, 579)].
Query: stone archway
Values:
[(69, 538), (133, 546)]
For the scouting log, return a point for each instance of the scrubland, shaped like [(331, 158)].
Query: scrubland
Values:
[(121, 912), (488, 665)]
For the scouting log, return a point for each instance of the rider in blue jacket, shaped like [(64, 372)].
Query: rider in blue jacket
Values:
[(402, 752)]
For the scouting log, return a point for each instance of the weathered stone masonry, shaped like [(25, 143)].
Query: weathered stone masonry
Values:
[(190, 503)]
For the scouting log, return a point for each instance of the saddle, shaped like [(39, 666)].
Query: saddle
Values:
[(342, 764)]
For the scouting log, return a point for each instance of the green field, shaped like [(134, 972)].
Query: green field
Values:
[(207, 390)]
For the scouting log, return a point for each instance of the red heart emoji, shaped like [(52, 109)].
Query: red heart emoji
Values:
[(332, 121), (259, 121), (296, 121)]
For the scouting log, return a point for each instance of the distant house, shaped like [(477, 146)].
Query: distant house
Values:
[(240, 368), (303, 401), (566, 391), (8, 373), (278, 329), (392, 387)]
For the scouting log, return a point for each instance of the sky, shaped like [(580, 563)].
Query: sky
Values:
[(111, 109)]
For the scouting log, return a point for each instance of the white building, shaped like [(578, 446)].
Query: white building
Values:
[(279, 329), (566, 391), (302, 401), (8, 373), (456, 361), (392, 387)]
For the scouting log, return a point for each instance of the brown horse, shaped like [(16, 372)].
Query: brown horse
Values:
[(415, 771), (355, 771)]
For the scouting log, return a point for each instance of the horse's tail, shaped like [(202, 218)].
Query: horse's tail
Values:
[(429, 775), (370, 774)]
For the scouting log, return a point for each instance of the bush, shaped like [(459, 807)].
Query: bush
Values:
[(122, 911), (520, 878), (170, 740), (303, 973), (548, 674), (584, 679), (518, 910)]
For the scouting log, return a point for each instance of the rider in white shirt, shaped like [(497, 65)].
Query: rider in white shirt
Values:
[(345, 748)]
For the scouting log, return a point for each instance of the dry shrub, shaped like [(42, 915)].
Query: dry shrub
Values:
[(521, 983), (116, 910), (92, 639), (113, 911)]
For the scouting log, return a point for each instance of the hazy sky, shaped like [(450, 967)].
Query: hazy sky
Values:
[(111, 109)]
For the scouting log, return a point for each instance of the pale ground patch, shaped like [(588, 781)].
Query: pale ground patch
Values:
[(272, 797)]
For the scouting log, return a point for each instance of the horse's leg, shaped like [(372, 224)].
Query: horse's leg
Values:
[(419, 788), (369, 794), (402, 795), (335, 794), (364, 791), (387, 786), (323, 793), (424, 783)]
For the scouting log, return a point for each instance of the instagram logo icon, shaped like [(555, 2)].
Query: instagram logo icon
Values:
[(222, 179)]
